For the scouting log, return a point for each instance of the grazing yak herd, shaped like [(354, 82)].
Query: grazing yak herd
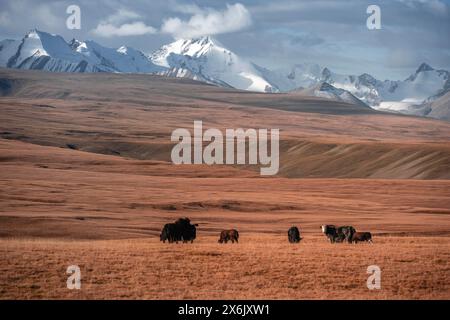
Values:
[(183, 230), (345, 234)]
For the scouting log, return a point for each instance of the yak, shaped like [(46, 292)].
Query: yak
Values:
[(345, 233), (294, 235), (362, 236), (338, 234), (330, 232), (181, 230), (168, 233), (229, 235)]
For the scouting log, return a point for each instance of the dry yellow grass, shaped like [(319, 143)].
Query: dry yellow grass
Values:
[(50, 196), (260, 267)]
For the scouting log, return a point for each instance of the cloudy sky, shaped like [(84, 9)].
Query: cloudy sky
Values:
[(272, 34)]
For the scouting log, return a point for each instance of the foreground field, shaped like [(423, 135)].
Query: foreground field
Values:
[(64, 207), (260, 267)]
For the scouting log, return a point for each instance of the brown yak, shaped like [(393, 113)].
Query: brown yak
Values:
[(229, 235)]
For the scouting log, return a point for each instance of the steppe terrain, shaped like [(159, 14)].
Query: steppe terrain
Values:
[(86, 179)]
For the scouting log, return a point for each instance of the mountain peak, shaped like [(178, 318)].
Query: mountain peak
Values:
[(325, 86), (326, 74), (367, 79), (195, 48), (74, 43), (38, 34), (205, 40), (33, 33), (424, 67), (201, 44), (33, 30)]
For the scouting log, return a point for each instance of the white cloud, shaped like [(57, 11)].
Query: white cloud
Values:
[(121, 16), (127, 29), (207, 21), (187, 8), (117, 25)]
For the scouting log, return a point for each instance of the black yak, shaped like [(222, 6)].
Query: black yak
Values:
[(294, 235), (338, 234), (181, 230)]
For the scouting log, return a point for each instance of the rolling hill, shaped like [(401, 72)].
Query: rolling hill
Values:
[(133, 116)]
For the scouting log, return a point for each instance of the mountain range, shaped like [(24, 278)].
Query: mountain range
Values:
[(423, 93)]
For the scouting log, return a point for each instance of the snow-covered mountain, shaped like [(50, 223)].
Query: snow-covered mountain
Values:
[(40, 50), (424, 85), (296, 77), (438, 108), (327, 91), (123, 59), (393, 95), (202, 59), (43, 51), (206, 59), (400, 96)]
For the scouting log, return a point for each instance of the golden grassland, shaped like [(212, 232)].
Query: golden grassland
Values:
[(259, 267), (63, 207)]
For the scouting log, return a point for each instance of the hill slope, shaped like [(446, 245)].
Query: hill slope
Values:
[(115, 114)]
